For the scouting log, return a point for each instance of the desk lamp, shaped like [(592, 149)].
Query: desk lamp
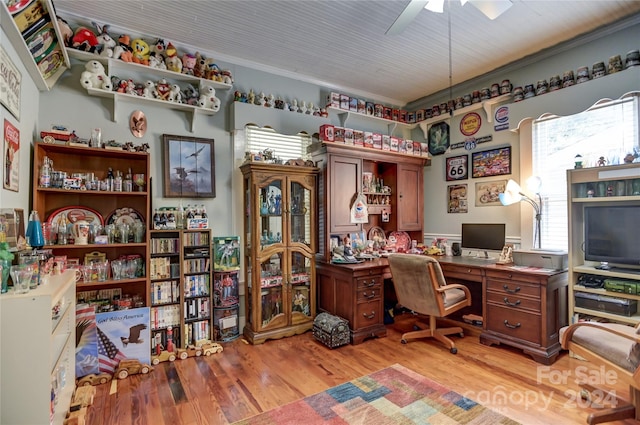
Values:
[(513, 193)]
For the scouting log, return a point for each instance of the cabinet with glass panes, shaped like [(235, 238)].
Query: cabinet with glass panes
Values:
[(280, 224)]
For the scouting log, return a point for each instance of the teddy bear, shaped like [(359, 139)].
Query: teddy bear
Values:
[(191, 95), (208, 99), (149, 91), (94, 76), (200, 67), (175, 94)]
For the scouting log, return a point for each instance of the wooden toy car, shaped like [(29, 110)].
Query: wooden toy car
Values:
[(210, 348), (131, 367), (163, 357), (93, 379), (190, 351)]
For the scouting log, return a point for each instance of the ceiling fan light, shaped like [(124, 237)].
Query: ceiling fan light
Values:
[(492, 8), (435, 6)]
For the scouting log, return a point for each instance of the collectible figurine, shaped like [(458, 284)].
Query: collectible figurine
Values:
[(199, 67), (578, 161), (188, 63), (173, 62), (123, 50), (602, 161), (140, 51), (162, 89), (106, 44)]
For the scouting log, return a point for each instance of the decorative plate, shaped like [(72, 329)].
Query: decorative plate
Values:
[(125, 215), (402, 241), (75, 213), (376, 234), (138, 123)]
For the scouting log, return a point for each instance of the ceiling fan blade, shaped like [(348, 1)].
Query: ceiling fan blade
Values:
[(406, 17), (492, 8)]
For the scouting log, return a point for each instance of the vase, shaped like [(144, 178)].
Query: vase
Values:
[(5, 268)]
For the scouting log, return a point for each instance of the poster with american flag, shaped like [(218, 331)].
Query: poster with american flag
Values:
[(86, 340), (123, 334)]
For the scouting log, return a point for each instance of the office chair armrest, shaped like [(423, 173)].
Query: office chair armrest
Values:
[(568, 334), (467, 293)]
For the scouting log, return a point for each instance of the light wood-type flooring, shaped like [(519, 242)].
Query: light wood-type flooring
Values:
[(245, 380)]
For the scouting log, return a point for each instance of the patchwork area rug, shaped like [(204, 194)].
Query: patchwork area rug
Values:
[(395, 395)]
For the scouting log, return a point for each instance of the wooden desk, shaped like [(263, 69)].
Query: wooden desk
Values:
[(523, 308)]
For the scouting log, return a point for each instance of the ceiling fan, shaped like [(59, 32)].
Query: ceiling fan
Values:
[(491, 8)]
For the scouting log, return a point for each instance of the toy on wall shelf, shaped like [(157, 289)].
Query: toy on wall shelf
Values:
[(159, 49), (162, 89), (188, 63), (123, 50), (208, 99), (84, 39), (173, 62), (156, 61), (141, 51), (106, 44), (199, 67), (95, 77)]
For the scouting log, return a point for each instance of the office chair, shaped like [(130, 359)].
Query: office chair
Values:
[(611, 347), (420, 286)]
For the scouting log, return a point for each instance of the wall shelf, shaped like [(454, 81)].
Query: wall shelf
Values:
[(344, 115), (114, 67)]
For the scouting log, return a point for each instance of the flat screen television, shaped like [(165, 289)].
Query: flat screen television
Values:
[(483, 237), (612, 234)]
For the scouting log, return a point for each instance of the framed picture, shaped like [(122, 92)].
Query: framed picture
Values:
[(10, 84), (189, 167), (94, 257), (494, 162), (12, 221), (439, 138), (11, 157), (457, 168), (457, 202), (487, 193)]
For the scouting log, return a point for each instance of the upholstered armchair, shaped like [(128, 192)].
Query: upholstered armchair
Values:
[(616, 348), (420, 287)]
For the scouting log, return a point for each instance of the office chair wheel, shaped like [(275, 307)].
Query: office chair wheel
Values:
[(454, 350), (404, 341)]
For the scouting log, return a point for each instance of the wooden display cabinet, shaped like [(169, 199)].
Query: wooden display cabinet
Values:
[(76, 160), (280, 205), (341, 180)]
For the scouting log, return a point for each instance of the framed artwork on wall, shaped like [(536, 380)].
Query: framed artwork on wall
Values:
[(493, 162), (10, 84), (457, 202), (11, 157), (457, 168), (487, 193), (189, 167), (439, 138)]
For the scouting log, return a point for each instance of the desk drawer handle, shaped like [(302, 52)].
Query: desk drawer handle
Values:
[(369, 316), (506, 301), (511, 291), (509, 325), (373, 294), (370, 284)]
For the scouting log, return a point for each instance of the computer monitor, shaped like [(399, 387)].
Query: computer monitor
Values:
[(483, 237)]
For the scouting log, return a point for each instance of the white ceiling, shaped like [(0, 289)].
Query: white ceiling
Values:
[(341, 44)]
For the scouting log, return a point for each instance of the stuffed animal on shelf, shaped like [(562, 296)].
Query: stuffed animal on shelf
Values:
[(65, 31), (208, 99), (188, 63), (162, 89), (212, 71), (172, 60), (200, 67), (123, 50), (94, 76), (156, 61), (260, 99), (141, 51), (84, 39), (175, 94), (149, 91), (159, 48), (191, 95), (226, 76), (106, 44)]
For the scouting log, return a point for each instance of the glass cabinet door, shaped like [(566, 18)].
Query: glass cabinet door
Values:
[(300, 213), (272, 291), (271, 209), (300, 280)]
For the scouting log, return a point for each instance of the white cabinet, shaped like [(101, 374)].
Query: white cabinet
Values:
[(140, 73), (580, 182), (37, 334)]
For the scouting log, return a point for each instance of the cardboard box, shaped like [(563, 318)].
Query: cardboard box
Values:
[(338, 134), (395, 142), (411, 117), (424, 149), (362, 106), (370, 108), (377, 141), (402, 146), (419, 115), (408, 147), (378, 110), (395, 115), (333, 100), (326, 133), (417, 148), (358, 137), (353, 104), (368, 139), (386, 142), (344, 102), (348, 136), (387, 113), (402, 116)]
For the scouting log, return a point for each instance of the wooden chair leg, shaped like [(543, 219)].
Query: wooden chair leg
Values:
[(623, 409)]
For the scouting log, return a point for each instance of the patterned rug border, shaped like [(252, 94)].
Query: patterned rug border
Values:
[(395, 395)]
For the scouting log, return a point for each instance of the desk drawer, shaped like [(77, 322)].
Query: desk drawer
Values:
[(513, 287), (369, 282), (513, 301), (462, 272), (369, 294), (368, 314), (513, 323), (519, 277)]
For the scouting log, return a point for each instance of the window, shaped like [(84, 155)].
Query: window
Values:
[(283, 146), (608, 130)]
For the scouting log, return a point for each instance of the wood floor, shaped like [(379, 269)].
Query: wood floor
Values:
[(245, 380)]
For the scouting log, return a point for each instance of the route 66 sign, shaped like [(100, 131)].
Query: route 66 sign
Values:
[(457, 168)]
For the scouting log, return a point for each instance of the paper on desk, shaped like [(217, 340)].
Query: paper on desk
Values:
[(531, 269)]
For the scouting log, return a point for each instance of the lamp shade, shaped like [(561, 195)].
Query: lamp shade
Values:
[(512, 193)]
